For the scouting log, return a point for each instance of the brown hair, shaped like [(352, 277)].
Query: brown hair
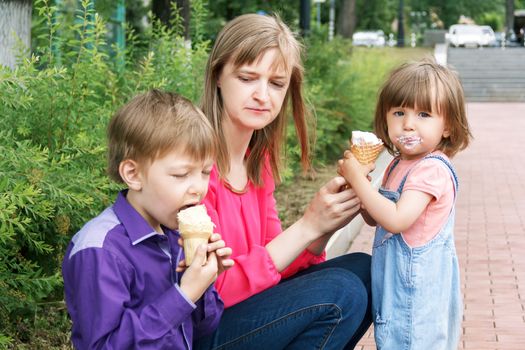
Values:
[(431, 87), (154, 123), (242, 41)]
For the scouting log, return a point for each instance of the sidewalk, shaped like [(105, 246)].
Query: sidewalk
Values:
[(490, 230)]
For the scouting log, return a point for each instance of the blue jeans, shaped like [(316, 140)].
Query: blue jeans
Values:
[(326, 306)]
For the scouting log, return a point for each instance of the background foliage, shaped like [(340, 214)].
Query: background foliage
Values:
[(55, 107)]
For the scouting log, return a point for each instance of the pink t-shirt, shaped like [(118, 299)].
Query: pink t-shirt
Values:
[(430, 176), (247, 221)]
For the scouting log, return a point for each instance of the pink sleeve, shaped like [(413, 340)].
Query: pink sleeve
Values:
[(429, 176)]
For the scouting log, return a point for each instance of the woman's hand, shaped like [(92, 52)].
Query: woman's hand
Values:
[(332, 207)]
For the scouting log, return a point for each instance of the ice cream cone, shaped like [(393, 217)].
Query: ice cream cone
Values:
[(195, 228), (192, 240), (366, 153)]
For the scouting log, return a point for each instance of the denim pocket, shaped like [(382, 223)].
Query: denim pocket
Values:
[(381, 330)]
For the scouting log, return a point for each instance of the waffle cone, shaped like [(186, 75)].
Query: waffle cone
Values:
[(192, 240), (366, 153)]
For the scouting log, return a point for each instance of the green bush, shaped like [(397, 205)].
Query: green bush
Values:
[(55, 108)]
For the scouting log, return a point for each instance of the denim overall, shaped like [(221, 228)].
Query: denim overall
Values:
[(416, 297)]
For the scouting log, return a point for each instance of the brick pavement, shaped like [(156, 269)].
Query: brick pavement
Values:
[(490, 230)]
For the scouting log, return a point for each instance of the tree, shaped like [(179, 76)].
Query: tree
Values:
[(15, 27), (162, 10), (346, 21), (509, 15)]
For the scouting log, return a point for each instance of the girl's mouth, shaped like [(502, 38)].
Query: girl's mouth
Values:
[(409, 142)]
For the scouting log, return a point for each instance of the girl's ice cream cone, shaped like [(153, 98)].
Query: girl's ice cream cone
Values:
[(195, 228), (365, 146)]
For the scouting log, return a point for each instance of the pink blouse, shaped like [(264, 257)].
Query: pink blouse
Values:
[(247, 221)]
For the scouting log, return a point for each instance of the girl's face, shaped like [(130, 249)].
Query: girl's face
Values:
[(415, 132), (253, 94)]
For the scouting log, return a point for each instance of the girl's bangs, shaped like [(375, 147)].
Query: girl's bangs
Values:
[(421, 92)]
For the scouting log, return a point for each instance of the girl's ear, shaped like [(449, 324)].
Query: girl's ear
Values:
[(130, 173), (446, 132)]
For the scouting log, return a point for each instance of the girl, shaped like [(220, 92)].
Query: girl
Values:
[(420, 115), (254, 73)]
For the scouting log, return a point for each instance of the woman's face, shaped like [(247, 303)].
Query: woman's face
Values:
[(253, 94)]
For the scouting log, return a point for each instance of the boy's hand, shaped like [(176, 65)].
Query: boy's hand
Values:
[(222, 252), (182, 264), (200, 274)]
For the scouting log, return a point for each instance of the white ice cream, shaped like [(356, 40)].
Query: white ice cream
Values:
[(195, 219), (364, 137)]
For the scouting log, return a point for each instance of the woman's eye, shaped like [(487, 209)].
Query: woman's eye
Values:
[(241, 78), (180, 176), (278, 84)]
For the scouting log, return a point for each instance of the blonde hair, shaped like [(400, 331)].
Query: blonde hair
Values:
[(154, 123), (429, 86), (242, 41)]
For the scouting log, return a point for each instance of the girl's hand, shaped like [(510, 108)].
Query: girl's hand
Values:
[(349, 167), (222, 252), (200, 274)]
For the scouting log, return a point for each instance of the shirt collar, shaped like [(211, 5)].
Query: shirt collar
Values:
[(136, 226)]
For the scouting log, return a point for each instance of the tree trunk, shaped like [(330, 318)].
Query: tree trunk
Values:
[(509, 16), (15, 27), (162, 10), (346, 20)]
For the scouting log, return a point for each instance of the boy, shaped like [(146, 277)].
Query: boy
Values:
[(122, 271)]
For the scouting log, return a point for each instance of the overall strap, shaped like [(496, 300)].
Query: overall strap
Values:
[(394, 164)]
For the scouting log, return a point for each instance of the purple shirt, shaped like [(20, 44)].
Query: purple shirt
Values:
[(122, 290)]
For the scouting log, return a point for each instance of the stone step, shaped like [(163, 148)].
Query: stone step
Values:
[(491, 75), (494, 99)]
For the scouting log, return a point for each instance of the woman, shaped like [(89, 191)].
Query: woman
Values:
[(280, 292)]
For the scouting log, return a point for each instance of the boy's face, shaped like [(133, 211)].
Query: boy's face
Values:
[(169, 184)]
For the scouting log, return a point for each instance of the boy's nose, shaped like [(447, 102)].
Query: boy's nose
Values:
[(200, 187)]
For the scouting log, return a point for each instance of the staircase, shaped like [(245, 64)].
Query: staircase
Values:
[(490, 74)]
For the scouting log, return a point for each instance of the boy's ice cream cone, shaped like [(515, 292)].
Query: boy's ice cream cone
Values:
[(365, 146), (195, 228)]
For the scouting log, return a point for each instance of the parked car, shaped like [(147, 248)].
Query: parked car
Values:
[(489, 34), (374, 38), (466, 35)]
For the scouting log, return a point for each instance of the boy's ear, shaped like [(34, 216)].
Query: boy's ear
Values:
[(130, 173)]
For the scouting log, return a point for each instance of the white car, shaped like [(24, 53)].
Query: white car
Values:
[(489, 34), (374, 38), (466, 35)]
